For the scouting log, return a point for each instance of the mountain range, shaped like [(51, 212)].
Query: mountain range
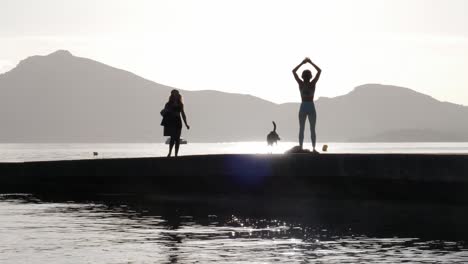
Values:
[(63, 98)]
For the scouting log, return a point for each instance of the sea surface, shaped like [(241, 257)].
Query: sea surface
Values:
[(37, 152), (45, 230), (49, 229)]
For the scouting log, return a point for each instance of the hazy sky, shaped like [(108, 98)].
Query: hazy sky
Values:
[(251, 46)]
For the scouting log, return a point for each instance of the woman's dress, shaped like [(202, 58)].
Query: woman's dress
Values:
[(172, 121)]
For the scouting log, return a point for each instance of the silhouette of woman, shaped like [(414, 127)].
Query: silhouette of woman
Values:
[(307, 109), (172, 122)]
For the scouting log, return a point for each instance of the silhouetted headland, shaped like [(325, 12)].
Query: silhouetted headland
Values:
[(419, 177)]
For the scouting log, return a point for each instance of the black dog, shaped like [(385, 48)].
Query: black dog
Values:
[(273, 137)]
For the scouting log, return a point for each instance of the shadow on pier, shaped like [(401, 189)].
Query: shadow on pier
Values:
[(403, 177)]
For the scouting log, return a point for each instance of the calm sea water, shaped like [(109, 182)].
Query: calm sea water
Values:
[(38, 231), (34, 152), (184, 230)]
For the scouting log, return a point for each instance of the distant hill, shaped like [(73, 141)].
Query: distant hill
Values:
[(64, 98), (372, 109)]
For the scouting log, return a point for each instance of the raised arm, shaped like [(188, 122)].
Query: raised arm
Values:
[(298, 80), (317, 68)]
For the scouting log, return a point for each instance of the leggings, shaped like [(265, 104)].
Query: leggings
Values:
[(307, 110)]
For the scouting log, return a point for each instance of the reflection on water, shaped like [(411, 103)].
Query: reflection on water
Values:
[(34, 231)]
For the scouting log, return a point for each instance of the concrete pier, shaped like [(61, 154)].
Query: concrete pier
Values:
[(419, 177)]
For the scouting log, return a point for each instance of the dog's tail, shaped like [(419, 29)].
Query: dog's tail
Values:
[(274, 126)]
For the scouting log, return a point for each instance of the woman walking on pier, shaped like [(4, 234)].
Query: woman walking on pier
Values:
[(172, 122), (307, 109)]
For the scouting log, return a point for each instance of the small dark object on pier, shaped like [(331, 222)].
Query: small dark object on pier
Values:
[(299, 150)]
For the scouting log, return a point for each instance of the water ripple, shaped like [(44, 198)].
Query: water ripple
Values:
[(67, 232)]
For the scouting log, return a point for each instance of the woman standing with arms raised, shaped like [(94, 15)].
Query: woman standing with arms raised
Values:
[(307, 109), (172, 122)]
